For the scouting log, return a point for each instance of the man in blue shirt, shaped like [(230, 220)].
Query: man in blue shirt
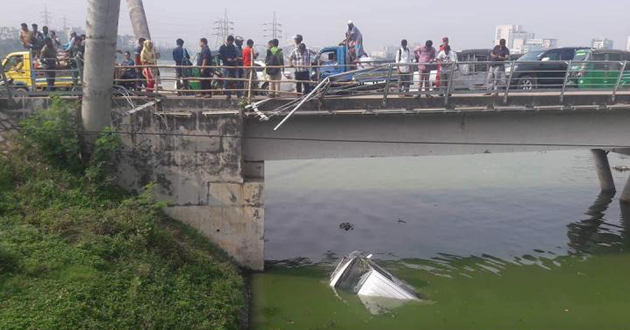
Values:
[(229, 56), (181, 58), (203, 60)]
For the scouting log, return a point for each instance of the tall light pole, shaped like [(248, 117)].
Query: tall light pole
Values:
[(139, 19), (98, 72)]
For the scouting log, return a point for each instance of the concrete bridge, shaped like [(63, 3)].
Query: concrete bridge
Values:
[(208, 156)]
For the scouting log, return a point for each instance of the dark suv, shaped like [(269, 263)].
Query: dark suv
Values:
[(542, 68)]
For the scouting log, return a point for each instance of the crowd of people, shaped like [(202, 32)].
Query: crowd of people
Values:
[(51, 55), (237, 61), (235, 64), (443, 60)]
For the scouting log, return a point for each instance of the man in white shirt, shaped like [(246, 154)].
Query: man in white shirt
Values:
[(403, 58), (448, 61)]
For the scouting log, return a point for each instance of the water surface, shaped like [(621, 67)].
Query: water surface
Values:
[(518, 241)]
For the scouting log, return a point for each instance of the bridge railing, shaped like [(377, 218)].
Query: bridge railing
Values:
[(499, 79)]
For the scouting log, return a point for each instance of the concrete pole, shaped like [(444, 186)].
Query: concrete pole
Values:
[(603, 170), (138, 19), (98, 72)]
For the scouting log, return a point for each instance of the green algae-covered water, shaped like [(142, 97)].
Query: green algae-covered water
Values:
[(515, 241)]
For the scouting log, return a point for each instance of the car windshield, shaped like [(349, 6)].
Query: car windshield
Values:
[(581, 55), (531, 56)]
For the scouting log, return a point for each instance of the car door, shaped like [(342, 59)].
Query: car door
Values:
[(597, 74), (553, 68)]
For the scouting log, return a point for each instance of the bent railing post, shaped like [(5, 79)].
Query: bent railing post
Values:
[(509, 82), (619, 79), (566, 78), (449, 83), (387, 85)]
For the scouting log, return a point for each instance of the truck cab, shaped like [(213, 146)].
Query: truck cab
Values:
[(22, 73)]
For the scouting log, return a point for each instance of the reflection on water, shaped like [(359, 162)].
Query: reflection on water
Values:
[(494, 241)]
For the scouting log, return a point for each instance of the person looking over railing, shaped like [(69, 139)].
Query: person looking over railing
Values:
[(128, 72), (148, 58), (447, 60), (425, 55), (496, 73), (249, 56)]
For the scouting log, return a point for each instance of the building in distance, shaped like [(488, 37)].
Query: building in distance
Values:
[(602, 43), (519, 41)]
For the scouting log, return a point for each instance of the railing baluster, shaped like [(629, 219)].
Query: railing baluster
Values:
[(566, 78), (449, 83), (509, 82), (619, 79), (387, 85)]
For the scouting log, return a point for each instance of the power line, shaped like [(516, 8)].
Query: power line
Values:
[(273, 29), (223, 28)]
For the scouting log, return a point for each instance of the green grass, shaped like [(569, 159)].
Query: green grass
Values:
[(77, 253)]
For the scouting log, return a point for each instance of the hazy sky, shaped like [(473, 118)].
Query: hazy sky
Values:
[(469, 24)]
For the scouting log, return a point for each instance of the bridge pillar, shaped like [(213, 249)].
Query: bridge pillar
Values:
[(603, 171), (625, 195), (195, 158)]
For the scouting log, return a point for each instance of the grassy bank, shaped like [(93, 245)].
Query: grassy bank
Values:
[(78, 253)]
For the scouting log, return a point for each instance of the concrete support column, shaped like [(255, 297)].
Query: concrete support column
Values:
[(138, 19), (603, 170), (98, 72), (625, 195)]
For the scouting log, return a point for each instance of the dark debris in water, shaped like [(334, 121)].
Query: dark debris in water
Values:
[(346, 226)]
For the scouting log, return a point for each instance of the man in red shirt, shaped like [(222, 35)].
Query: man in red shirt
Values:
[(249, 56)]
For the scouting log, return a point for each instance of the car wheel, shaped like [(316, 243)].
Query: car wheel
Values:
[(20, 93), (527, 83)]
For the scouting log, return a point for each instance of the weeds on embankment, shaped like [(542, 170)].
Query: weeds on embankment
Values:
[(78, 253)]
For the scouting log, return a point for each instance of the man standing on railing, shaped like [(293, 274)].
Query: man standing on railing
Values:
[(300, 59), (181, 58), (229, 57), (354, 42), (203, 60), (496, 73), (403, 59), (425, 55)]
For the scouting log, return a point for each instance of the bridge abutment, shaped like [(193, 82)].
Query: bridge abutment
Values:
[(195, 157)]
